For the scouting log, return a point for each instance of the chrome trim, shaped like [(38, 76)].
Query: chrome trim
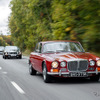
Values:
[(65, 73), (78, 60)]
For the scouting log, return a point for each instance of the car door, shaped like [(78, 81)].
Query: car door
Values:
[(37, 58)]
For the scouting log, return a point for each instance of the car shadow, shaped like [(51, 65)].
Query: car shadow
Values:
[(56, 80), (14, 58)]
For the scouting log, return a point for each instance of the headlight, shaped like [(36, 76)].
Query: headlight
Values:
[(98, 63), (20, 53), (6, 53), (54, 64), (63, 64), (92, 63)]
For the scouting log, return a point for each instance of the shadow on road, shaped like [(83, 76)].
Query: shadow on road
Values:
[(56, 80)]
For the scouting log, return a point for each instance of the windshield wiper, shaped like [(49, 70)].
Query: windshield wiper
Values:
[(61, 51), (49, 52)]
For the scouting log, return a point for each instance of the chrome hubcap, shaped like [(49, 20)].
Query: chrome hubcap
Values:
[(30, 69), (44, 73)]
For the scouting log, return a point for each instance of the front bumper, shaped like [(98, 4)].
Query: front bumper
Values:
[(74, 74), (13, 55)]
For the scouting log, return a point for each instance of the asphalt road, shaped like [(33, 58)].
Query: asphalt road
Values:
[(17, 84)]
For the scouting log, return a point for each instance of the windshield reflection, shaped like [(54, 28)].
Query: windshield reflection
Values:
[(62, 47)]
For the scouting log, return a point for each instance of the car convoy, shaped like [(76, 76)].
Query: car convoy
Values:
[(63, 59)]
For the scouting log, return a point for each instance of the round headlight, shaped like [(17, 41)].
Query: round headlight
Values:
[(98, 63), (19, 52), (92, 63), (63, 64), (54, 64), (6, 53)]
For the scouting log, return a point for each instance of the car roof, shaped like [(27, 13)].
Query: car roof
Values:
[(10, 46), (43, 42)]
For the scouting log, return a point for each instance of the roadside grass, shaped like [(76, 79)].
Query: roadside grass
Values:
[(26, 52)]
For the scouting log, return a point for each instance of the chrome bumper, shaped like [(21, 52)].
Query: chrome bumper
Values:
[(68, 73)]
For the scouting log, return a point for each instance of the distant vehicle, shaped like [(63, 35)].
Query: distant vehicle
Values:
[(12, 51), (63, 59), (1, 49)]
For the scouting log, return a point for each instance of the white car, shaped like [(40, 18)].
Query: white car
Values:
[(12, 51), (1, 49)]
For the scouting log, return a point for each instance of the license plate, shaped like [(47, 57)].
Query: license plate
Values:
[(13, 55), (78, 74)]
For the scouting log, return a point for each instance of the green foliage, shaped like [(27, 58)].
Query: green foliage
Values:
[(39, 20), (5, 40)]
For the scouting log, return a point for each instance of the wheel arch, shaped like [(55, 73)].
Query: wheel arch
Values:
[(48, 65), (29, 62), (43, 63)]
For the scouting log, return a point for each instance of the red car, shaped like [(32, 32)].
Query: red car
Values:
[(63, 59)]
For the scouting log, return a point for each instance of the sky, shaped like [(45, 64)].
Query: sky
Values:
[(4, 13)]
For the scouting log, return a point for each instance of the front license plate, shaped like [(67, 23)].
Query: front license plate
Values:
[(78, 74), (13, 55)]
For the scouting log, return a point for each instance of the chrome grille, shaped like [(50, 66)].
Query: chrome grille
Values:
[(72, 66), (80, 65)]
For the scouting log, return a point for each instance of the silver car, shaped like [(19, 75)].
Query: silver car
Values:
[(12, 51), (1, 49)]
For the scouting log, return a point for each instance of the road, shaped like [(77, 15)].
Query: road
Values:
[(17, 84)]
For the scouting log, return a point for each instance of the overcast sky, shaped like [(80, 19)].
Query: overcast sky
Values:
[(4, 13)]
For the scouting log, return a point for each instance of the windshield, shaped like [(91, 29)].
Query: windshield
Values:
[(1, 47), (62, 47), (11, 48)]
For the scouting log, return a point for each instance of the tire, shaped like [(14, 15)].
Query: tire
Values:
[(4, 57), (31, 70), (46, 77), (20, 57), (95, 78)]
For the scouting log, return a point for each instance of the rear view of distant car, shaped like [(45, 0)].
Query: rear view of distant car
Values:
[(11, 52), (1, 49)]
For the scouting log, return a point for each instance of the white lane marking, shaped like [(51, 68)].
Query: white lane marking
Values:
[(17, 87), (4, 72), (0, 68)]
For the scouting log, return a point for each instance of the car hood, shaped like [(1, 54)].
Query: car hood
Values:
[(72, 56)]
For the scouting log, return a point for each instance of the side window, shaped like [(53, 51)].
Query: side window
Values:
[(38, 48)]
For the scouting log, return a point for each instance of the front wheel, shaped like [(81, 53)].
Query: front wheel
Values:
[(20, 57), (95, 78), (46, 77), (4, 57), (31, 70)]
